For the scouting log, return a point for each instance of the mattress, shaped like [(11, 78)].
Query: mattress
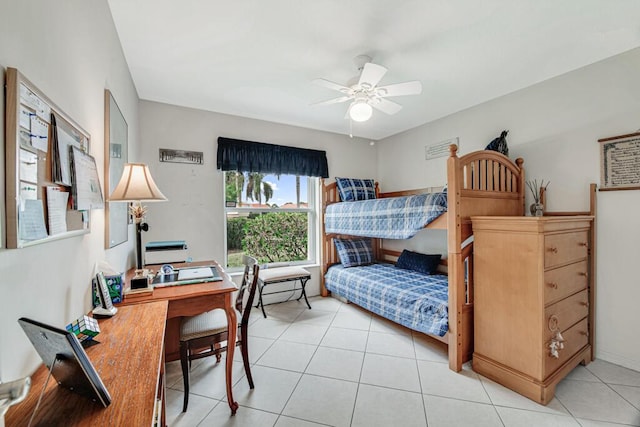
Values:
[(387, 218), (415, 300)]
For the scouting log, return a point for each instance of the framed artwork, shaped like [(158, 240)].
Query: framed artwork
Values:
[(115, 156), (620, 162), (181, 156)]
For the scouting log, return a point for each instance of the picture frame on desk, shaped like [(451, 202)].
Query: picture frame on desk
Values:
[(106, 307), (115, 285), (139, 284), (64, 357)]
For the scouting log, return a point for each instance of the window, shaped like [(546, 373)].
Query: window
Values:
[(272, 218)]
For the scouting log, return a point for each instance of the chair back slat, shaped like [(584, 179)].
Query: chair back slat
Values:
[(250, 284)]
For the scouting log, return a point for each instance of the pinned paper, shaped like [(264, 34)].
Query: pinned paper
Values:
[(32, 101), (57, 210), (28, 191), (25, 117), (39, 133), (28, 166), (32, 221)]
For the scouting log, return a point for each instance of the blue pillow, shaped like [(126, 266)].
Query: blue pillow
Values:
[(354, 252), (352, 189), (440, 199), (422, 263)]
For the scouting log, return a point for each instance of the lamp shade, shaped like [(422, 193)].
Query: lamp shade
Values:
[(360, 111), (136, 184)]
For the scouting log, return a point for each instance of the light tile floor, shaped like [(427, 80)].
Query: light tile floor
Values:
[(338, 365)]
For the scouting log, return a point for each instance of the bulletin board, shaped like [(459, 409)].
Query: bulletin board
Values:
[(51, 180)]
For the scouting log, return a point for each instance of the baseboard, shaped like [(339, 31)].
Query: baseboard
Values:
[(617, 359)]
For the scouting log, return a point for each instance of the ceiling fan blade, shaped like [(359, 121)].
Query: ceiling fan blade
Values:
[(333, 101), (331, 85), (371, 74), (400, 89), (386, 106)]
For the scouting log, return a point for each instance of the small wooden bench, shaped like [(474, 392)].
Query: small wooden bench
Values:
[(269, 276)]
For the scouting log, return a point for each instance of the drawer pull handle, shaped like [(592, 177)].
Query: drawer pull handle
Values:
[(585, 333), (553, 285), (553, 249), (582, 244), (585, 303), (583, 273), (553, 323)]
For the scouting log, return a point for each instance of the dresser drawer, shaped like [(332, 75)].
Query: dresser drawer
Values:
[(575, 338), (562, 248), (565, 313), (564, 281)]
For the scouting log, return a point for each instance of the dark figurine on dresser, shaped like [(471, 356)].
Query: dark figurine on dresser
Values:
[(500, 144)]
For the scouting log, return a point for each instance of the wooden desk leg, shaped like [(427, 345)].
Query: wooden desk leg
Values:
[(232, 327)]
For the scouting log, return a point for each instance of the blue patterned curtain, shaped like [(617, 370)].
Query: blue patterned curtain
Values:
[(248, 156)]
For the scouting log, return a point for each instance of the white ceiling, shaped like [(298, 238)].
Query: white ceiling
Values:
[(256, 58)]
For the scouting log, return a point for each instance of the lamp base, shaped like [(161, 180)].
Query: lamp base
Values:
[(140, 227)]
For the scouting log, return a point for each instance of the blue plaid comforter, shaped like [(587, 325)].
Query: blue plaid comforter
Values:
[(388, 218), (415, 300)]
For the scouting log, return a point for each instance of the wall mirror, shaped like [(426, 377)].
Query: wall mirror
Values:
[(115, 156)]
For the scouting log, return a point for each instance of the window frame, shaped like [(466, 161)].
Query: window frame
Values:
[(313, 225)]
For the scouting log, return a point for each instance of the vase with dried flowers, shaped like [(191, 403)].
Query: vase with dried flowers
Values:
[(537, 208)]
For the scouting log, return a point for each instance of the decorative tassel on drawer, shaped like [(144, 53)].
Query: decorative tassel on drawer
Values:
[(556, 344)]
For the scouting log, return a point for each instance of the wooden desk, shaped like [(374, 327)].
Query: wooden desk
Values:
[(129, 361), (191, 300)]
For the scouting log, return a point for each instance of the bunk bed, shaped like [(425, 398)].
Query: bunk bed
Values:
[(479, 183)]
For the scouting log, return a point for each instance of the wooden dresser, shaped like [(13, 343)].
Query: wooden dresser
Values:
[(532, 280)]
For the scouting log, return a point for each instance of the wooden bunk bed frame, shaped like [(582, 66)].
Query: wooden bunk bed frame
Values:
[(479, 183)]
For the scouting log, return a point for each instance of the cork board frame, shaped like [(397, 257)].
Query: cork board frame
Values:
[(24, 99)]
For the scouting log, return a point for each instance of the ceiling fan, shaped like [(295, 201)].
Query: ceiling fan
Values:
[(365, 94)]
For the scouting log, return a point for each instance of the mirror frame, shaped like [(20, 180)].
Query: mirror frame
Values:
[(116, 154)]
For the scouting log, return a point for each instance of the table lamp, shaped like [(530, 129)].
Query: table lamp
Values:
[(136, 185)]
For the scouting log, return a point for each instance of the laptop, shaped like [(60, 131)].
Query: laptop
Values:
[(195, 273), (72, 368), (187, 276)]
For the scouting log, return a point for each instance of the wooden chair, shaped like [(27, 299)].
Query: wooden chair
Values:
[(202, 335)]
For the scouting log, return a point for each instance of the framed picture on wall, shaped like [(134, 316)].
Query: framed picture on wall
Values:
[(620, 162), (116, 134), (181, 156)]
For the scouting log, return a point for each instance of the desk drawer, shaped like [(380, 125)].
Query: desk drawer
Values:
[(564, 281), (563, 248)]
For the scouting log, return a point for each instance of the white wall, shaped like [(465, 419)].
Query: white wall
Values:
[(195, 210), (554, 126), (69, 50)]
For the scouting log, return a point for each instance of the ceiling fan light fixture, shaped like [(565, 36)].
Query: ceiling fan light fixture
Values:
[(360, 111)]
